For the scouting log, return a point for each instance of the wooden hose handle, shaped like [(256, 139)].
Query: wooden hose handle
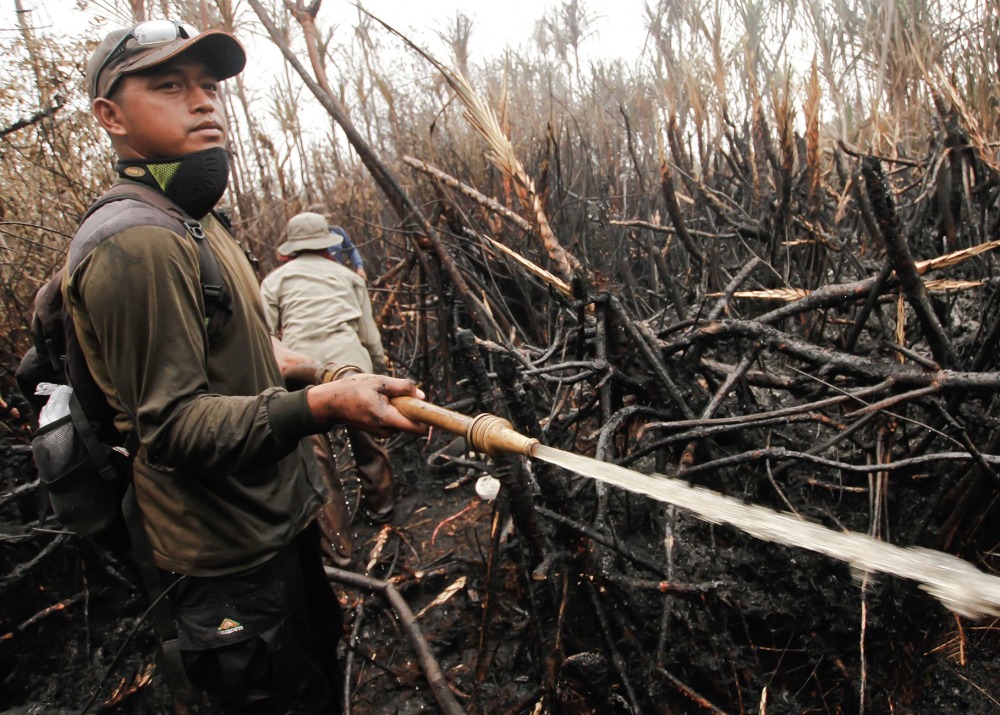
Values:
[(485, 433)]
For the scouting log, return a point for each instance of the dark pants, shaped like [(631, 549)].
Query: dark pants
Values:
[(264, 642)]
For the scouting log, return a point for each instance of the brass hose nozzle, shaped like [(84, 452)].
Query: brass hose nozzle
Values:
[(495, 435)]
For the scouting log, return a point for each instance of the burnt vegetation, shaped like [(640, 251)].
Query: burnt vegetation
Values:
[(772, 277)]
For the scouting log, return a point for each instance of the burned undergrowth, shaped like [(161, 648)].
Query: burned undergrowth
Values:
[(841, 368), (812, 331), (579, 598)]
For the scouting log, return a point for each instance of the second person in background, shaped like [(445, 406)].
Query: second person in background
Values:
[(321, 309)]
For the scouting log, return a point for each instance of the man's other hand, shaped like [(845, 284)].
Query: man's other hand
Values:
[(286, 357)]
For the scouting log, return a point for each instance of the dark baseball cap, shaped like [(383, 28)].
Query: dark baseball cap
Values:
[(155, 42)]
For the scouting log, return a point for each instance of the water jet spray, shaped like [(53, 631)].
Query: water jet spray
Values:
[(956, 583)]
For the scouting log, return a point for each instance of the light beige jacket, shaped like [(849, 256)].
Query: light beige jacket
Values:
[(321, 309)]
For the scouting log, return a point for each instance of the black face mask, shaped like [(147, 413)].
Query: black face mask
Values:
[(195, 182)]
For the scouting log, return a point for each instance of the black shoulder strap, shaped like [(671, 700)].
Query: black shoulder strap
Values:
[(90, 441), (218, 302), (224, 217)]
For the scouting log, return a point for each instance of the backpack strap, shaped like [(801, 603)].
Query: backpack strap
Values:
[(218, 302), (90, 441), (223, 217)]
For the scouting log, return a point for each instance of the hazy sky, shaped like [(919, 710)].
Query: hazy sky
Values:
[(617, 27), (497, 23)]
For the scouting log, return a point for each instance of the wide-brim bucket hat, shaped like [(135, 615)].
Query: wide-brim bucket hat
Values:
[(308, 232)]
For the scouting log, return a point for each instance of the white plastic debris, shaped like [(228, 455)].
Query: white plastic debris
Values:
[(58, 403), (487, 487)]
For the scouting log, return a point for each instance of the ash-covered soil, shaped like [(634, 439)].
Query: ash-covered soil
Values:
[(667, 615)]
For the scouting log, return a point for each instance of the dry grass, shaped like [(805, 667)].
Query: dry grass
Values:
[(745, 95)]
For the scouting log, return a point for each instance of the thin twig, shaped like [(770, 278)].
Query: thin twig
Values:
[(435, 678)]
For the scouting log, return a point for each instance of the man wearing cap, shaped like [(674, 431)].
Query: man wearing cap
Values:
[(227, 489), (321, 309)]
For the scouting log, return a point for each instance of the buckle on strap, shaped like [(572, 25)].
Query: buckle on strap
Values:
[(195, 229), (212, 292)]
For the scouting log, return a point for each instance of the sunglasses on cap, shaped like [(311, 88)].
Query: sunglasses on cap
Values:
[(148, 34)]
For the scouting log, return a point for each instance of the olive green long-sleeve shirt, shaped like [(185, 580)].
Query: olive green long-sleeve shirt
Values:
[(322, 310), (220, 477)]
